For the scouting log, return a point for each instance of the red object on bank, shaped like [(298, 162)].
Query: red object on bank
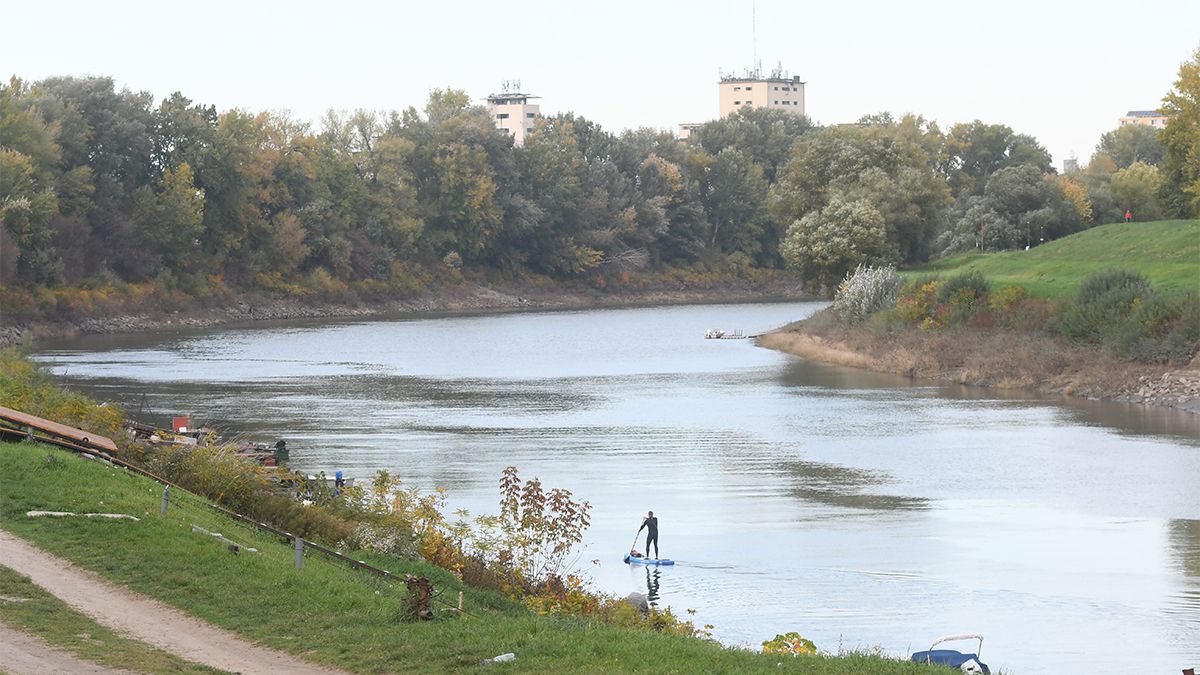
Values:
[(180, 424)]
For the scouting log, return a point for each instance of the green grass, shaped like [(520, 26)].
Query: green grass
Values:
[(1167, 252), (31, 610), (327, 612)]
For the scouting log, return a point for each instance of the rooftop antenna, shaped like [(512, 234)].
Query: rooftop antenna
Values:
[(754, 34)]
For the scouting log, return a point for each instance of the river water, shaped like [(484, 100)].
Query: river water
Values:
[(860, 510)]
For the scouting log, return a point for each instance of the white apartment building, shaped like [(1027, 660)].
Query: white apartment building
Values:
[(781, 93), (512, 112)]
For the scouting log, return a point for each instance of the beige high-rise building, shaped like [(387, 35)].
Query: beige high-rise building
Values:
[(512, 112), (780, 93), (1150, 118)]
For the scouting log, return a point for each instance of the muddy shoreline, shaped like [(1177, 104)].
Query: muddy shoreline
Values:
[(464, 299), (994, 359)]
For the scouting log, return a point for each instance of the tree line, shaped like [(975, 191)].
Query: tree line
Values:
[(100, 185)]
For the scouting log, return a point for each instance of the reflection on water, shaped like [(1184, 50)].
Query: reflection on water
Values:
[(653, 578), (845, 487), (859, 509), (1185, 548)]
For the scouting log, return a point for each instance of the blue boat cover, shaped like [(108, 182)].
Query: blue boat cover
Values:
[(948, 657)]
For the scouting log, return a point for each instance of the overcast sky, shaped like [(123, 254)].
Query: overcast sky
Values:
[(1062, 71)]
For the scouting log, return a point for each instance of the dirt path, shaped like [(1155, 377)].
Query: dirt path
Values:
[(24, 654), (143, 618)]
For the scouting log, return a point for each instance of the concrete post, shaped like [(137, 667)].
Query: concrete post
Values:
[(166, 493), (299, 552)]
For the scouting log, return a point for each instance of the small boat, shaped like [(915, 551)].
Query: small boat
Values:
[(718, 334), (639, 560), (967, 663)]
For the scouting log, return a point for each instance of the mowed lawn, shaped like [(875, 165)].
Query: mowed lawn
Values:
[(1167, 252)]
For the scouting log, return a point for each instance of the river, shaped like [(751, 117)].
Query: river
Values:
[(860, 510)]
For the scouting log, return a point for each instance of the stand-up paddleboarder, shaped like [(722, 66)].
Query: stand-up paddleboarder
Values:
[(650, 524)]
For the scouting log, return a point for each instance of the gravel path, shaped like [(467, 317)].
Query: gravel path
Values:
[(143, 618)]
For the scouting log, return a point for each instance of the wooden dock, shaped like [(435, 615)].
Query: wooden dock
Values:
[(718, 334), (16, 423)]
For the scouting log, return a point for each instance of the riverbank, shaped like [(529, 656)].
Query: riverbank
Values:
[(328, 614), (467, 297), (992, 359)]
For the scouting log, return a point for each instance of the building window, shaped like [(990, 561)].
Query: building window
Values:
[(749, 88), (529, 130), (737, 88), (737, 102), (502, 116), (529, 115)]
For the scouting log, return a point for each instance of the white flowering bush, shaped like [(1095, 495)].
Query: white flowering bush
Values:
[(865, 291)]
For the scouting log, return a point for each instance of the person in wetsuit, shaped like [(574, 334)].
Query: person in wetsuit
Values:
[(650, 524)]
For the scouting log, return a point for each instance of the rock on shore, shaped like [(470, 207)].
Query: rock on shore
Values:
[(1175, 389)]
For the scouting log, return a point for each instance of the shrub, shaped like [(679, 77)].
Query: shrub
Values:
[(918, 300), (571, 598), (1105, 301), (963, 304), (791, 644), (1007, 298), (24, 387), (1007, 305), (1121, 310), (968, 286), (935, 303), (218, 473), (865, 291), (1102, 283), (540, 528), (1161, 330)]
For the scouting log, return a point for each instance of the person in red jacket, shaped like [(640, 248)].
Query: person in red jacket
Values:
[(1128, 216)]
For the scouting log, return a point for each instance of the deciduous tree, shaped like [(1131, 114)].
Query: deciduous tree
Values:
[(1132, 143), (1180, 189), (825, 245), (1136, 188)]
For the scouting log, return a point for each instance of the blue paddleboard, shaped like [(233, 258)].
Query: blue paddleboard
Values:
[(648, 561)]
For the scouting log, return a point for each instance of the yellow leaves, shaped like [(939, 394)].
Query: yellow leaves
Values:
[(1007, 298), (669, 173), (1076, 192)]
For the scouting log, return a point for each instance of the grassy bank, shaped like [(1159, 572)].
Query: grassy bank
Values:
[(326, 612), (1117, 338), (1166, 252)]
